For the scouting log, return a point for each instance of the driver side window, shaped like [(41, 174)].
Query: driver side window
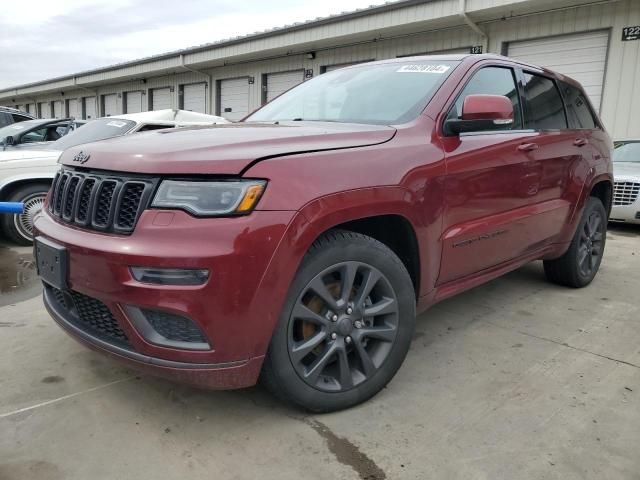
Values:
[(491, 81), (34, 136)]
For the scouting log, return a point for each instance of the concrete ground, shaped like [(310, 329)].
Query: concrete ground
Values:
[(515, 379)]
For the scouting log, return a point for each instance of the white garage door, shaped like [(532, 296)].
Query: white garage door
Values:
[(45, 110), (89, 108), (57, 109), (581, 56), (194, 97), (161, 98), (278, 83), (110, 104), (234, 98), (73, 107), (134, 102), (31, 108)]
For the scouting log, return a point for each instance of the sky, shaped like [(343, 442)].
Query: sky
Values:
[(43, 39)]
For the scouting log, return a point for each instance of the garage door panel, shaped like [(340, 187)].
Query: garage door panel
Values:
[(57, 109), (278, 83), (90, 107), (581, 56), (194, 97), (74, 108), (110, 105), (234, 98), (134, 102), (161, 98)]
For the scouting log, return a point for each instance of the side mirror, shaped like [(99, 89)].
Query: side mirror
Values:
[(481, 112), (9, 140)]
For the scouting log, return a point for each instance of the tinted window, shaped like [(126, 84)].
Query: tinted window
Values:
[(578, 110), (492, 81), (94, 131), (545, 110), (19, 118)]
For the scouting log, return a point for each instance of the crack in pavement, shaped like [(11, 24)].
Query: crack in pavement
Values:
[(347, 453), (565, 344)]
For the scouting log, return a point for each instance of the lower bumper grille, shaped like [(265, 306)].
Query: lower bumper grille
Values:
[(625, 193), (90, 315)]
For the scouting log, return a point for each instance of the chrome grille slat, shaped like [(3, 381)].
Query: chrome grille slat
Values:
[(625, 193), (95, 201)]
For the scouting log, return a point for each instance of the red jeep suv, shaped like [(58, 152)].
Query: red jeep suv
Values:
[(298, 245)]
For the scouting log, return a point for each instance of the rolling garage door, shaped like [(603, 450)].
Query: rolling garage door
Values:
[(45, 110), (89, 108), (57, 109), (234, 98), (133, 102), (73, 108), (194, 97), (30, 108), (581, 56), (109, 105), (278, 83), (160, 98)]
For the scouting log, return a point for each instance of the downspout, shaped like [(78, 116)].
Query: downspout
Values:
[(209, 82), (473, 25)]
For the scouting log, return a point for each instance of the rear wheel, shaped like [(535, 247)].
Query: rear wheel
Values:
[(346, 326), (19, 228), (579, 265)]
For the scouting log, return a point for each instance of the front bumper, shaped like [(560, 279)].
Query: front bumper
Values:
[(229, 308), (626, 213)]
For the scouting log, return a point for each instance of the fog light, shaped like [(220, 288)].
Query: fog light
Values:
[(170, 276)]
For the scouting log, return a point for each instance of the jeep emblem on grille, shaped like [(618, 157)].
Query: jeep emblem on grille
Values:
[(81, 158)]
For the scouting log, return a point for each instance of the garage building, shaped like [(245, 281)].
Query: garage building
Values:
[(590, 41)]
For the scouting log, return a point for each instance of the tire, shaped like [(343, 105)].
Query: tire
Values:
[(577, 268), (19, 228), (318, 334)]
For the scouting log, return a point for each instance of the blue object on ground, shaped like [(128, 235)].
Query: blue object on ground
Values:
[(11, 207)]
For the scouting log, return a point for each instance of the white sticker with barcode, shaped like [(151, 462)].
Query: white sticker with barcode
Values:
[(115, 123), (423, 69)]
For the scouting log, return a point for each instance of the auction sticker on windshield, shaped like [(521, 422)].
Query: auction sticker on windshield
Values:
[(116, 123), (423, 69)]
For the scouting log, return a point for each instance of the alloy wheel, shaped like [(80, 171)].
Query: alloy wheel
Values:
[(343, 326), (591, 244)]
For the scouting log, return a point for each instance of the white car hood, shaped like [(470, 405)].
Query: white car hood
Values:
[(8, 157)]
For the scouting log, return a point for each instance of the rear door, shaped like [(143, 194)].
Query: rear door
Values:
[(491, 184)]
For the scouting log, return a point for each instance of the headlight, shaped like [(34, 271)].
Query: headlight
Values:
[(233, 197)]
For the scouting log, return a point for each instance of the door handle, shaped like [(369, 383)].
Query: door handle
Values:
[(580, 142), (527, 147)]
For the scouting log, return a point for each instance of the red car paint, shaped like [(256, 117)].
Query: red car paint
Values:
[(478, 205)]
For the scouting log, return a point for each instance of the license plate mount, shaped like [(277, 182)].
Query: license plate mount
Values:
[(52, 263)]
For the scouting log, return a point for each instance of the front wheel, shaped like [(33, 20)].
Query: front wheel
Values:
[(579, 265), (346, 326), (19, 228)]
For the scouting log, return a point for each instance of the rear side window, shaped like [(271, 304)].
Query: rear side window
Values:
[(578, 110), (491, 81), (545, 110)]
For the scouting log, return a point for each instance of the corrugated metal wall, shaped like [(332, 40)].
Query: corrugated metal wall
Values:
[(621, 93)]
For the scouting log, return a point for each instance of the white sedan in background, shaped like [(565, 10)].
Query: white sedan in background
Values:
[(626, 174), (26, 173)]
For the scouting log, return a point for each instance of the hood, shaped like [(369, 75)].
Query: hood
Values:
[(626, 169), (27, 154), (221, 149)]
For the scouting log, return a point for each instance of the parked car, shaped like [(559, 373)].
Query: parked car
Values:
[(298, 245), (626, 190), (10, 115), (35, 133), (26, 173)]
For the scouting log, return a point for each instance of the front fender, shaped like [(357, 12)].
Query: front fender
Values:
[(7, 183)]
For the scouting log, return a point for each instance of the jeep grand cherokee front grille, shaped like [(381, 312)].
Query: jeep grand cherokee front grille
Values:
[(98, 201)]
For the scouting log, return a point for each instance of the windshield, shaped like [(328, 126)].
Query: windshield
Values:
[(627, 152), (17, 128), (381, 94), (93, 131)]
